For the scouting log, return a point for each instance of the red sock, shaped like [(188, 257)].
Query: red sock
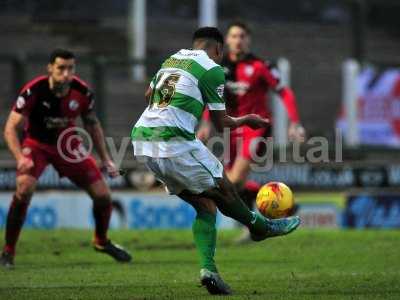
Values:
[(15, 221), (102, 215)]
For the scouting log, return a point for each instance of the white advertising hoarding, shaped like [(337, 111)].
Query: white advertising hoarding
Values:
[(55, 209)]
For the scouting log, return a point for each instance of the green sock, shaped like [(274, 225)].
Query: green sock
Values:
[(241, 213), (258, 224), (236, 209), (205, 238)]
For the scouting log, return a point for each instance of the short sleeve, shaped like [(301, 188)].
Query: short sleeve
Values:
[(211, 85), (90, 103), (270, 74), (24, 103), (153, 81)]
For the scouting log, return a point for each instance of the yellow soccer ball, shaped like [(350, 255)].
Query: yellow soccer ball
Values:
[(275, 200)]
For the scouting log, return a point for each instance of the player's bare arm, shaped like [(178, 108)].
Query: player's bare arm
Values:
[(221, 120), (12, 129), (93, 127), (204, 131)]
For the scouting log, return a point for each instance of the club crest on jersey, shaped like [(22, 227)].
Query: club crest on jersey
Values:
[(73, 105), (20, 102), (249, 70)]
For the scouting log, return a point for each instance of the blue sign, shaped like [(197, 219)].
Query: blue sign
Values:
[(160, 216), (367, 211), (44, 217)]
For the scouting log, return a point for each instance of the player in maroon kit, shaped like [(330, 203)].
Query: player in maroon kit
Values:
[(248, 80), (47, 108)]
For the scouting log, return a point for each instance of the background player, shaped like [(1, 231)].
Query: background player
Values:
[(47, 108), (165, 137), (248, 80)]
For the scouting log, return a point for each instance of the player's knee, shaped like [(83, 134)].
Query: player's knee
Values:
[(207, 205), (99, 192), (227, 191), (25, 189), (102, 195), (225, 185), (102, 198)]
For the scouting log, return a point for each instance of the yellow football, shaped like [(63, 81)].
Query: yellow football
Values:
[(275, 200)]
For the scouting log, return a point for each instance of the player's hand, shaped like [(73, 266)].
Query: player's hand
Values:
[(110, 168), (24, 164), (296, 133), (204, 132), (255, 121)]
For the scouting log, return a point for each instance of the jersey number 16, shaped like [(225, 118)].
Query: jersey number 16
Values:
[(164, 89)]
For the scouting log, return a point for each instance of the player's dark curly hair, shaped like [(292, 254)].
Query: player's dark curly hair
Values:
[(210, 33), (239, 24), (61, 53)]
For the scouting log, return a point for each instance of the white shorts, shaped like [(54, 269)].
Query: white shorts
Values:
[(195, 171)]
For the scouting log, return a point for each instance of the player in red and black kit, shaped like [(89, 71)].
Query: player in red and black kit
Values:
[(47, 108), (248, 80)]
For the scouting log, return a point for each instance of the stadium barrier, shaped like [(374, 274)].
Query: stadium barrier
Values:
[(135, 210), (53, 209), (301, 177), (320, 191), (132, 210)]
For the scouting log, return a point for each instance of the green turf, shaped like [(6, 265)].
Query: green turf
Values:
[(306, 265), (336, 198)]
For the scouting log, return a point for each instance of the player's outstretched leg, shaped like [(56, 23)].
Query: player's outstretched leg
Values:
[(205, 238), (230, 204), (249, 197), (102, 208), (16, 217)]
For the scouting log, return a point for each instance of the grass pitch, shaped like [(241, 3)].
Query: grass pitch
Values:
[(309, 264)]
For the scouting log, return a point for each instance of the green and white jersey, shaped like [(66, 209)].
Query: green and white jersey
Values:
[(187, 82)]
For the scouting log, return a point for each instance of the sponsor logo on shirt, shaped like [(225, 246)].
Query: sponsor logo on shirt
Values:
[(237, 87), (56, 122), (220, 90)]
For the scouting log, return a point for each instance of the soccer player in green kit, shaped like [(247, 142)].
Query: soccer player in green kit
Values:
[(164, 136)]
